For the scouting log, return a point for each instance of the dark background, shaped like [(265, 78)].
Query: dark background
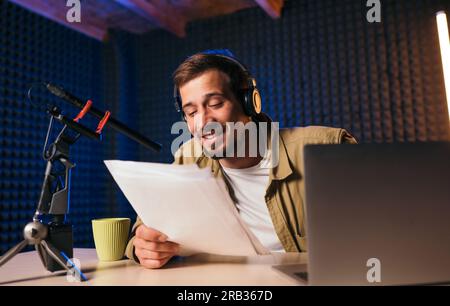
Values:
[(322, 63)]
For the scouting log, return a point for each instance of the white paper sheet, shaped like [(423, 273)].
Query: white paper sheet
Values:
[(187, 204)]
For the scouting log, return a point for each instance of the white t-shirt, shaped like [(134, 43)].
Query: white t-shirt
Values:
[(249, 186)]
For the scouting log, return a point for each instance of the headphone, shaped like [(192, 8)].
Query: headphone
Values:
[(250, 99)]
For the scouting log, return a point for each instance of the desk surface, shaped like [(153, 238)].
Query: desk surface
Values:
[(203, 269)]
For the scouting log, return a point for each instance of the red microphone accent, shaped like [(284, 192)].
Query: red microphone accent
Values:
[(83, 112), (102, 122)]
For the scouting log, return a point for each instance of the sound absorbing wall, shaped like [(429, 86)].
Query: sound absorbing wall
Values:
[(34, 49), (322, 63)]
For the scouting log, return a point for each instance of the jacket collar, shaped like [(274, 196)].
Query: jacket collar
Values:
[(284, 167)]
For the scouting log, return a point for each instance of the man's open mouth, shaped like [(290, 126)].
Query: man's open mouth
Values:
[(211, 135)]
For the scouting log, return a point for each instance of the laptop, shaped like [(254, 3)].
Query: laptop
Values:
[(377, 214)]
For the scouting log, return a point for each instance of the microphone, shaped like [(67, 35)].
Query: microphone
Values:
[(115, 124)]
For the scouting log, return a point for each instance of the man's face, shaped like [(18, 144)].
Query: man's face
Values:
[(208, 101)]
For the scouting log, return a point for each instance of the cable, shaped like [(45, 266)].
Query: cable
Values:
[(30, 90)]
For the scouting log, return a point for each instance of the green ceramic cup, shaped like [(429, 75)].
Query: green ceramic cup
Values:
[(110, 237)]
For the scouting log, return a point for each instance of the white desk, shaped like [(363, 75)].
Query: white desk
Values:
[(27, 269)]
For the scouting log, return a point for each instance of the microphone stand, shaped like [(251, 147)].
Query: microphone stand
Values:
[(54, 241)]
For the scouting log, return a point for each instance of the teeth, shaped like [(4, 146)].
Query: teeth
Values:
[(211, 135)]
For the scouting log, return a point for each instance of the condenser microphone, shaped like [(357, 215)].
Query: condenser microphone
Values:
[(112, 122)]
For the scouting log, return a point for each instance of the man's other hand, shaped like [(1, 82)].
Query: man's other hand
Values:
[(152, 248)]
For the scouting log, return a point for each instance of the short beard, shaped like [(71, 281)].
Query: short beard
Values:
[(213, 155)]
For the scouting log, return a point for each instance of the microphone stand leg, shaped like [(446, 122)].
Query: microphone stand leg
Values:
[(56, 255), (12, 252)]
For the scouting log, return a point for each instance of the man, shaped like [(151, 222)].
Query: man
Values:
[(213, 87)]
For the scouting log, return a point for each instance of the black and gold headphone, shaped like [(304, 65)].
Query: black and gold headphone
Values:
[(250, 98)]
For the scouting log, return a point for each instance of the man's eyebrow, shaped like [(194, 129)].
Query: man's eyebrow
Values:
[(211, 94), (187, 105), (205, 98)]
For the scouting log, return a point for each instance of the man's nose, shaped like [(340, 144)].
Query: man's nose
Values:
[(201, 120)]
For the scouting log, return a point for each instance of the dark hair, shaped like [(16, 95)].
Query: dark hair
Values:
[(199, 63)]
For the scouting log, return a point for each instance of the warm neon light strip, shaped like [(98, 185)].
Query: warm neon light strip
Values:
[(444, 42)]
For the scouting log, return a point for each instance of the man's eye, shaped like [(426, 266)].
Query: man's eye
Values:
[(215, 104), (192, 114)]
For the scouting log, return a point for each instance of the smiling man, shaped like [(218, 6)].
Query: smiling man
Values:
[(214, 91)]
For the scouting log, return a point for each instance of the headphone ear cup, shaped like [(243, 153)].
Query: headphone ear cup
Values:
[(246, 103), (252, 102), (256, 101), (252, 99)]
